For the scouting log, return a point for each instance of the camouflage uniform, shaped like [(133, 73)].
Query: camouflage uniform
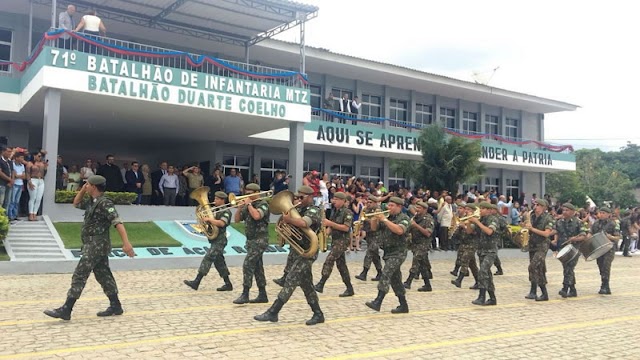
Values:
[(339, 244), (215, 254), (568, 228), (395, 253), (373, 246), (538, 247), (467, 253), (420, 245), (604, 261), (487, 251), (257, 242), (625, 223), (99, 215)]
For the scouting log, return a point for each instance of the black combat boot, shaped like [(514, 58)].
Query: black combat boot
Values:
[(363, 274), (377, 303), (572, 291), (195, 283), (272, 313), (280, 281), (607, 290), (318, 316), (63, 312), (407, 284), (348, 292), (427, 285), (492, 299), (458, 282), (320, 285), (403, 308), (227, 285), (481, 297), (532, 293), (115, 308), (475, 286), (378, 275), (544, 296), (244, 297), (455, 270), (261, 298), (564, 292), (499, 270)]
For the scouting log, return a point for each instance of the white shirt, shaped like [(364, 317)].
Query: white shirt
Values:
[(445, 215), (169, 181), (19, 169), (91, 23)]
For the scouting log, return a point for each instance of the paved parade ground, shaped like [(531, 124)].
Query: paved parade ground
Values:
[(165, 319)]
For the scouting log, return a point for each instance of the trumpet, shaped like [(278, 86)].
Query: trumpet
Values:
[(370, 215), (476, 214), (233, 199)]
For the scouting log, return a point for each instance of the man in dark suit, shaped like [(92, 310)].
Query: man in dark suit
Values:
[(135, 179), (111, 172), (156, 195)]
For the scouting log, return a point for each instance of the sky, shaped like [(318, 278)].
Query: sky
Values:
[(582, 52)]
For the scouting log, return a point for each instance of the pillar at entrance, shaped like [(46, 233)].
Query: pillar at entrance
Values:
[(50, 136), (296, 154)]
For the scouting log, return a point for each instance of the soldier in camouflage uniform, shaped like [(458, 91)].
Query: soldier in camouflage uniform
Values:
[(300, 271), (394, 244), (608, 226), (421, 228), (626, 223), (372, 254), (339, 225), (215, 254), (540, 229), (467, 248), (568, 230), (99, 215), (456, 232), (255, 213), (486, 230)]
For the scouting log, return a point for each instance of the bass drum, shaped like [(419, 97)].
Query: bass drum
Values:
[(567, 253), (595, 246)]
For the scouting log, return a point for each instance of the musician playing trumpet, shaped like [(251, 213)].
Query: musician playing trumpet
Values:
[(569, 230), (541, 227), (467, 248), (299, 273), (421, 229), (486, 229), (373, 238), (215, 254), (608, 226)]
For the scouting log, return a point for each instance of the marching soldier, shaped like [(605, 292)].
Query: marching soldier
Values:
[(568, 230), (255, 213), (373, 238), (486, 229), (394, 244), (215, 254), (339, 225), (540, 228), (421, 229), (99, 215), (467, 249), (455, 238), (608, 226), (299, 273)]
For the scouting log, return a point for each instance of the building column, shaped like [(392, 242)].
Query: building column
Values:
[(436, 110), (502, 123), (483, 114), (503, 183), (50, 137), (385, 171), (543, 187), (296, 154), (459, 115), (218, 153), (411, 110), (256, 160), (541, 117), (385, 106)]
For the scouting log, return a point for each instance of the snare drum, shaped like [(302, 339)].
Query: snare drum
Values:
[(595, 246), (567, 253)]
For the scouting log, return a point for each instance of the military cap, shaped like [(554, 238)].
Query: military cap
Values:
[(542, 202), (605, 209), (340, 195), (252, 187), (471, 206), (396, 200), (96, 180), (349, 198), (220, 194), (569, 206), (423, 204), (487, 205), (304, 190), (373, 198)]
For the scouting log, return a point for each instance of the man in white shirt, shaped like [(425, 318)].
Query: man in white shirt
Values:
[(65, 21), (169, 186), (445, 215), (504, 208)]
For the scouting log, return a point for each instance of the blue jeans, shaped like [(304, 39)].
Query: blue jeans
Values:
[(14, 204), (4, 194)]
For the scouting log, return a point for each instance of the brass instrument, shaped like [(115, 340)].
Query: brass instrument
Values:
[(522, 237), (322, 236), (455, 221), (369, 215), (476, 214), (282, 203), (204, 210), (233, 199)]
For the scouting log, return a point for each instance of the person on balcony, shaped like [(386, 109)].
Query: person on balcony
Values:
[(66, 22), (93, 26), (345, 107), (355, 108)]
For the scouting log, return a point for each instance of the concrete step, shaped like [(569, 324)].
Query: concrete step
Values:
[(33, 246), (38, 257), (28, 230), (36, 250)]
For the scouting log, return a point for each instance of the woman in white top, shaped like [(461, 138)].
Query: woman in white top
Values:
[(92, 24), (73, 178), (87, 171), (324, 191)]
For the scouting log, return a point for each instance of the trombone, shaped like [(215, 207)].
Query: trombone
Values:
[(476, 214), (233, 199)]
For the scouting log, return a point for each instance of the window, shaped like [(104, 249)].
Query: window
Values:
[(396, 179), (338, 94), (6, 40), (369, 173), (398, 111), (315, 98), (513, 188), (492, 184), (467, 187), (511, 128), (311, 165), (344, 171), (268, 170), (469, 122), (448, 117), (240, 163), (371, 106), (491, 124), (424, 115)]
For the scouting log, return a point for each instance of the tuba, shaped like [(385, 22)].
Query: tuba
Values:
[(282, 203), (203, 210)]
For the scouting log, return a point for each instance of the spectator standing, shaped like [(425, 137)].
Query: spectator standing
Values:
[(345, 107), (169, 186), (36, 170), (504, 208), (73, 178), (93, 27), (194, 180), (135, 181), (183, 189), (66, 22), (18, 184), (215, 181), (61, 174), (6, 177), (232, 183), (327, 103), (147, 187), (156, 196), (280, 183), (355, 108), (111, 172), (86, 171)]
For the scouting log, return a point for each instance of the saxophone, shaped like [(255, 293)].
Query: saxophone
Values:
[(322, 236), (523, 236)]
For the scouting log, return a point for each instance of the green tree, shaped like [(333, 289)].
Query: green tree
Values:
[(447, 161), (566, 186)]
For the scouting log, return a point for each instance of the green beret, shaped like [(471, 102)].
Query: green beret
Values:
[(220, 194), (542, 202), (396, 200), (487, 205), (96, 180), (423, 204), (340, 195), (605, 209), (253, 187), (373, 198), (569, 206), (304, 190), (471, 206)]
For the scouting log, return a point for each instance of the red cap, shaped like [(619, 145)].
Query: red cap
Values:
[(314, 173)]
